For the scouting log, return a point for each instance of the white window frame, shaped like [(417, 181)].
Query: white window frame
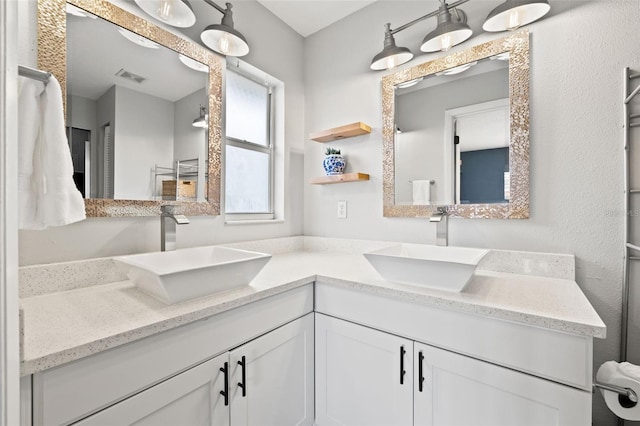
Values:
[(253, 74)]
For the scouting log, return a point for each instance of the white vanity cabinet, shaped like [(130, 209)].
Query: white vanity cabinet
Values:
[(459, 368), (175, 372), (363, 376), (276, 373), (246, 386), (368, 377)]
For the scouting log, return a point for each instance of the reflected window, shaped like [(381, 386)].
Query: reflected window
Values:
[(249, 148)]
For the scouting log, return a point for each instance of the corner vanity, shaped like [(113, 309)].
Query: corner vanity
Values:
[(317, 337)]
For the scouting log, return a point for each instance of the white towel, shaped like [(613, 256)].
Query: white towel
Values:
[(421, 192), (47, 194)]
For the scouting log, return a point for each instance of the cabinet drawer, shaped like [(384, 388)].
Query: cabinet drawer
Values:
[(72, 391), (562, 357)]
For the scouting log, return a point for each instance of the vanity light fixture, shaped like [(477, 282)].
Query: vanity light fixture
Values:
[(192, 63), (452, 28), (391, 55), (446, 35), (177, 13), (409, 83), (223, 38), (76, 11), (137, 39), (203, 120), (513, 14), (457, 70)]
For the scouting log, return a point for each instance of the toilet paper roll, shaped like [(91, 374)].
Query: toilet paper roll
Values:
[(625, 375)]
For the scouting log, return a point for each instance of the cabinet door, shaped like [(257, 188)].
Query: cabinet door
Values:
[(191, 398), (272, 380), (458, 390), (363, 376)]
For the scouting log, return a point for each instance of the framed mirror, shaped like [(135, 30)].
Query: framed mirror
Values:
[(456, 134), (133, 91)]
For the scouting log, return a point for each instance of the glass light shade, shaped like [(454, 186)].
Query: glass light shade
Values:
[(445, 36), (137, 39), (225, 40), (193, 64), (177, 13), (513, 14)]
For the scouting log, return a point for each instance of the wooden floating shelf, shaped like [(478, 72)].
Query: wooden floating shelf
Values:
[(347, 177), (342, 132)]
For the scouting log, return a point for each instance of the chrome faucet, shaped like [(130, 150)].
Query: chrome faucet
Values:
[(441, 218), (168, 221)]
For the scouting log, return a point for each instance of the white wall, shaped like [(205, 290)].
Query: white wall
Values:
[(577, 57), (276, 49)]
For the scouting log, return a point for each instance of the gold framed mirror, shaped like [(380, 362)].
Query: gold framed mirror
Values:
[(444, 183), (203, 196)]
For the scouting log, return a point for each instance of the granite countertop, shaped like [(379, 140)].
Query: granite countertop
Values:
[(84, 318)]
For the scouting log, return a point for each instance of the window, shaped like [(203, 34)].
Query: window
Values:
[(249, 156)]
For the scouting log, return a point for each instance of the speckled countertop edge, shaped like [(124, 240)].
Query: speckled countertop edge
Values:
[(54, 359), (362, 279), (524, 318)]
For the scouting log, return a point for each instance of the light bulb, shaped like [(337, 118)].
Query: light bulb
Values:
[(165, 11), (391, 62), (445, 42), (514, 20), (224, 45)]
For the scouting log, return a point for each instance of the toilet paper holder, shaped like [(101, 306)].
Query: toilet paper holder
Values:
[(623, 392)]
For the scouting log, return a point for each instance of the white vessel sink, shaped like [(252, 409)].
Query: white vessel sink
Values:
[(444, 268), (175, 276)]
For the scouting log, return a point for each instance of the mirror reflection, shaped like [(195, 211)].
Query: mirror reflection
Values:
[(132, 112), (455, 133), (452, 132)]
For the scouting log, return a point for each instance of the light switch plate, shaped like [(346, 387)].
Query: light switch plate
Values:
[(342, 209)]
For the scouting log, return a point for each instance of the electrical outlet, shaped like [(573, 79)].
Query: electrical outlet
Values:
[(342, 209)]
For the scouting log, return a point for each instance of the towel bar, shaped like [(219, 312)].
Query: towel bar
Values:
[(34, 74)]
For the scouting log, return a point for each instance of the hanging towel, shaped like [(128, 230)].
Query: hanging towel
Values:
[(48, 195), (421, 192)]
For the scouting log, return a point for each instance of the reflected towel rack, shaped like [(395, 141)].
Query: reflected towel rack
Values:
[(34, 74), (431, 181)]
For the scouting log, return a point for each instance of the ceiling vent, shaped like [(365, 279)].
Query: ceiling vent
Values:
[(130, 76)]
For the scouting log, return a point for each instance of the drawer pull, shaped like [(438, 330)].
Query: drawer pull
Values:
[(420, 371), (402, 372), (225, 392), (243, 385)]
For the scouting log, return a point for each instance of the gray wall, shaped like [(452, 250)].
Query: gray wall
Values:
[(143, 138), (191, 142), (276, 49), (577, 56)]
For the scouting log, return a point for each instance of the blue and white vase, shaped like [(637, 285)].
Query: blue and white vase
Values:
[(334, 164)]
